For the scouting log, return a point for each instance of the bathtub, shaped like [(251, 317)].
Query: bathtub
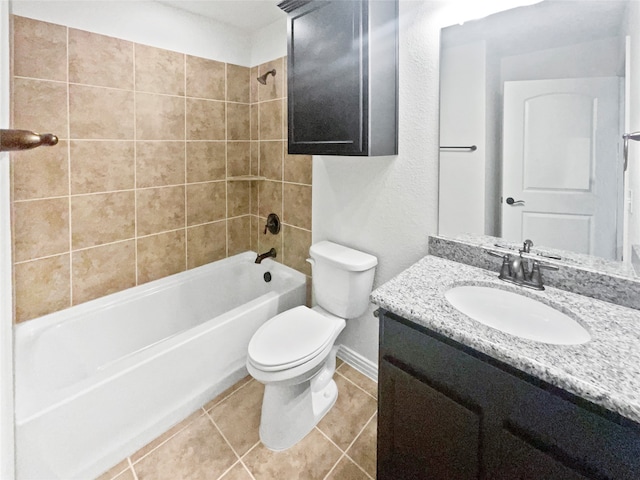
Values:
[(98, 381)]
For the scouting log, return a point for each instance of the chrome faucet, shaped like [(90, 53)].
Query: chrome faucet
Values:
[(522, 270), (270, 253)]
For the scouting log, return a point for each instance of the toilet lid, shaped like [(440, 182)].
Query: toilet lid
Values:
[(291, 338)]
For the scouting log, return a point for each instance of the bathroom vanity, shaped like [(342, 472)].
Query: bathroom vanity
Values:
[(461, 400)]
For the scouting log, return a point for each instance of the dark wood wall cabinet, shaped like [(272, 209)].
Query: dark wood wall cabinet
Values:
[(342, 74), (447, 412)]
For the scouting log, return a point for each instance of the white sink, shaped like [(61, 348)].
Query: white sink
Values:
[(517, 315)]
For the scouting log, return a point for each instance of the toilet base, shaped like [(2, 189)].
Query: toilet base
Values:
[(289, 412)]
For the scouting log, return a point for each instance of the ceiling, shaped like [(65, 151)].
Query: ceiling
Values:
[(248, 15)]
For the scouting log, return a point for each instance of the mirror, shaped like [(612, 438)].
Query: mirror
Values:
[(531, 122)]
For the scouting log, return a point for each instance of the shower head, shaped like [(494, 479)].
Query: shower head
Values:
[(263, 78)]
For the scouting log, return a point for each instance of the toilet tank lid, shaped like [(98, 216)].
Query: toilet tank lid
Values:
[(342, 257)]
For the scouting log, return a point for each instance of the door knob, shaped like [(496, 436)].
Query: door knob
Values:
[(512, 202)]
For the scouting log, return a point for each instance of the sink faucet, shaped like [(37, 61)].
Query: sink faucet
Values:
[(270, 253), (522, 270)]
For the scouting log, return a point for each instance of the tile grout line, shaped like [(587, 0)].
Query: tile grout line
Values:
[(355, 384), (356, 438), (133, 470)]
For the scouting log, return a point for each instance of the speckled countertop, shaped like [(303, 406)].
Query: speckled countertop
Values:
[(605, 370)]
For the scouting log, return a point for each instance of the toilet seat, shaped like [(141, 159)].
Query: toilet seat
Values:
[(292, 338)]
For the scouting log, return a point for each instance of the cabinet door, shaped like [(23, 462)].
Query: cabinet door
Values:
[(422, 432), (523, 461), (328, 79)]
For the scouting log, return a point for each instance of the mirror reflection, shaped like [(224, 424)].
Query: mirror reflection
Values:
[(531, 124)]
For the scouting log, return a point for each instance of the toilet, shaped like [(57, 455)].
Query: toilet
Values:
[(293, 353)]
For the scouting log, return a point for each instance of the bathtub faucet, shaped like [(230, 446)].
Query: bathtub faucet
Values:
[(270, 253)]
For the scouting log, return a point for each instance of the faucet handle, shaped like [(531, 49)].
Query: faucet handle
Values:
[(526, 246)]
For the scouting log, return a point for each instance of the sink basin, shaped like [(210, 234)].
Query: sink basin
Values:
[(517, 315)]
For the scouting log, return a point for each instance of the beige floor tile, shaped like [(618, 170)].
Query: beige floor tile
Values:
[(227, 392), (238, 417), (166, 436), (359, 379), (126, 475), (238, 472), (347, 470), (115, 471), (198, 452), (363, 450), (352, 411), (312, 458)]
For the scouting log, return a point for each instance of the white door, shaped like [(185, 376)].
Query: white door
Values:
[(562, 172)]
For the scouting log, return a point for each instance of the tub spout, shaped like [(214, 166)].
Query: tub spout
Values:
[(270, 253)]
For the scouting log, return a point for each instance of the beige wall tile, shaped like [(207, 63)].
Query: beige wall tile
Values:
[(297, 205), (205, 78), (41, 172), (39, 49), (271, 155), (238, 83), (206, 161), (100, 60), (296, 243), (238, 158), (41, 287), (271, 120), (267, 241), (254, 198), (161, 255), (92, 114), (254, 132), (255, 225), (270, 198), (206, 243), (206, 120), (160, 209), (40, 228), (160, 163), (102, 270), (101, 166), (238, 234), (238, 127), (255, 156), (159, 71), (40, 106), (206, 202), (253, 85), (274, 87), (159, 117), (102, 218), (298, 168), (238, 198)]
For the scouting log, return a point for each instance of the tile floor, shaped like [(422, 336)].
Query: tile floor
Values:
[(220, 440)]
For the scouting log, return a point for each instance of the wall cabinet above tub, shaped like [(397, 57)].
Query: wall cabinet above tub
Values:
[(342, 77)]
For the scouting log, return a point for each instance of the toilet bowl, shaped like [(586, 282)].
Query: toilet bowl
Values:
[(293, 354)]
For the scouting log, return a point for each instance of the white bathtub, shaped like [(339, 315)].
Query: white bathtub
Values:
[(98, 381)]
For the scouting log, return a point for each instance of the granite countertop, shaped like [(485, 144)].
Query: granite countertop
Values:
[(605, 370)]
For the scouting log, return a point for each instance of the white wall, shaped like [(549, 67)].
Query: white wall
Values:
[(269, 42), (148, 23), (387, 206), (462, 123), (633, 172)]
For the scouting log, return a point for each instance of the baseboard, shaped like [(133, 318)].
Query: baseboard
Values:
[(357, 361)]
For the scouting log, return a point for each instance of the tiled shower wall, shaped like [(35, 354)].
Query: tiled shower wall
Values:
[(137, 187)]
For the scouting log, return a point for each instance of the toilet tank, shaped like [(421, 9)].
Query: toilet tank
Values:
[(342, 278)]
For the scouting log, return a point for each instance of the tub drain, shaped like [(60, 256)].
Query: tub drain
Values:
[(267, 277)]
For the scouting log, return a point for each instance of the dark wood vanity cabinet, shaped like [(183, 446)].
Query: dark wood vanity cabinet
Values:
[(342, 77), (447, 412)]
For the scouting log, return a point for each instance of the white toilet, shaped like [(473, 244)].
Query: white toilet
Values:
[(293, 354)]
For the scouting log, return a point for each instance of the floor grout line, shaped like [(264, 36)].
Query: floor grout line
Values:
[(354, 383)]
